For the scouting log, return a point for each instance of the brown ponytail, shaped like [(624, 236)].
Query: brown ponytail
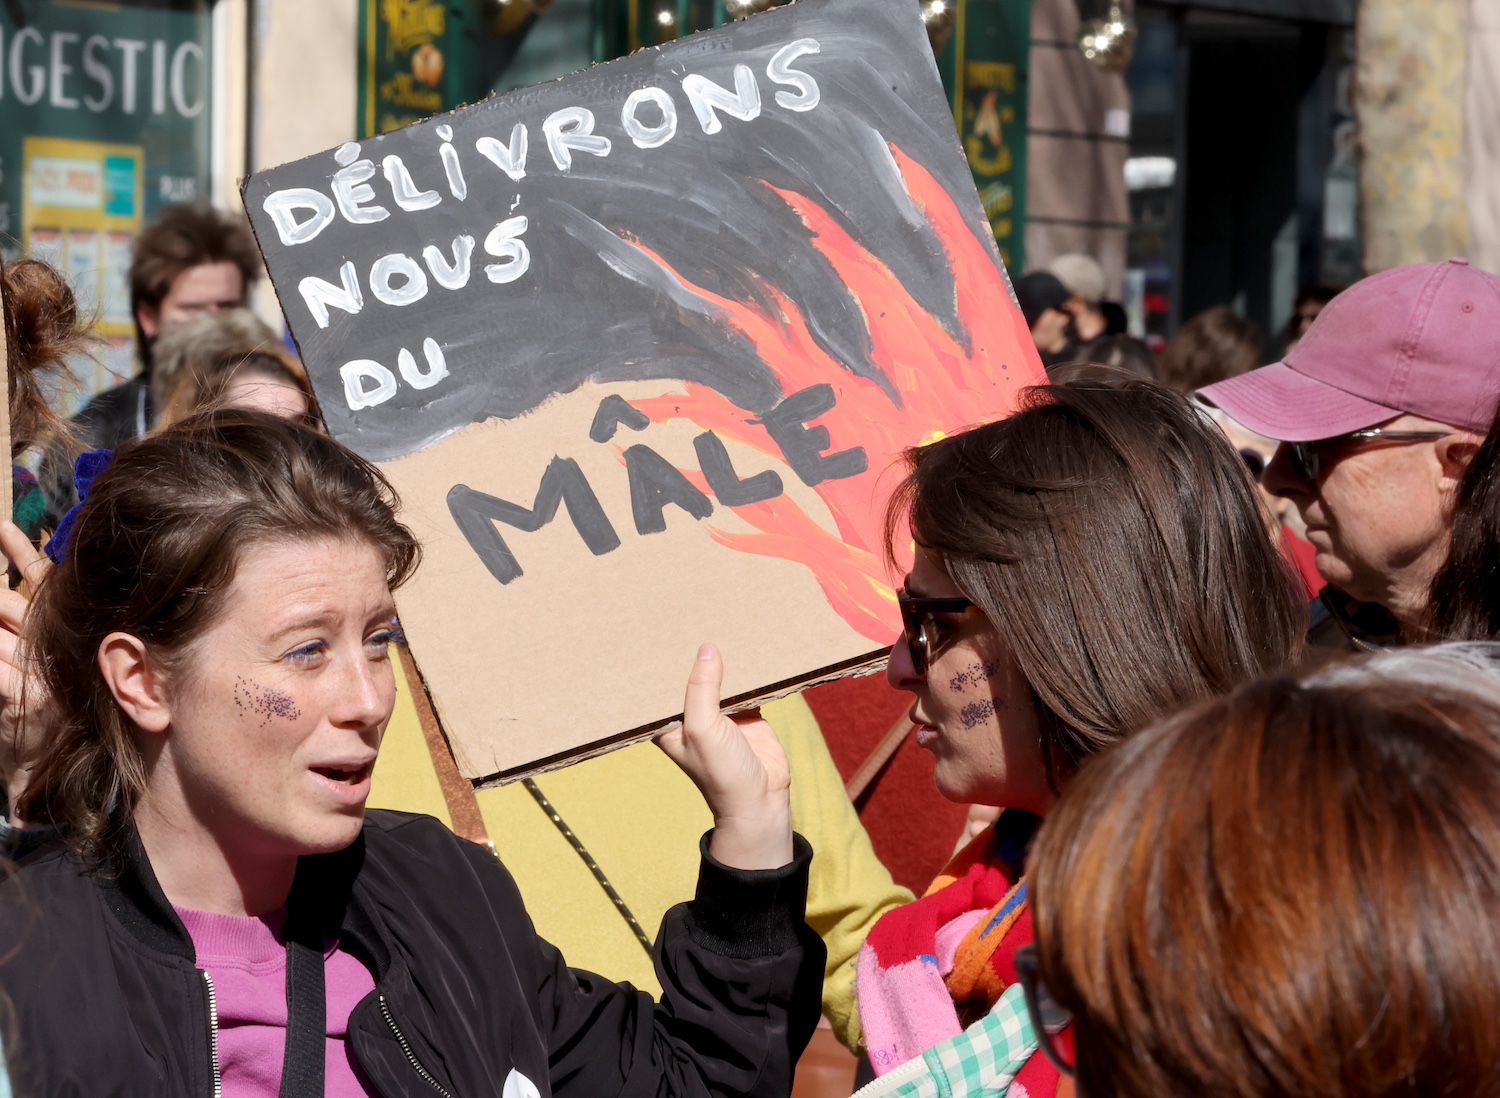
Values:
[(43, 330)]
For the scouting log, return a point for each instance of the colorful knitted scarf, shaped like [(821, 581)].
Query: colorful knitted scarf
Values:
[(931, 968)]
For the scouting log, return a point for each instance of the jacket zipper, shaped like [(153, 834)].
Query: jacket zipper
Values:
[(213, 1034), (411, 1057)]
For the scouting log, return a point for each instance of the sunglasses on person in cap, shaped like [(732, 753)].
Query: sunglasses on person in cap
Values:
[(1048, 1019), (923, 633), (1307, 461)]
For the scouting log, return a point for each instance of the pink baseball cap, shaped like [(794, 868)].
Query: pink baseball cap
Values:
[(1423, 339)]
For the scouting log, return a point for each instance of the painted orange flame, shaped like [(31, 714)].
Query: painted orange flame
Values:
[(942, 385)]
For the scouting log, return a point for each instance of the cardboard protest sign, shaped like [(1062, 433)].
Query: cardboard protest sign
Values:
[(640, 350)]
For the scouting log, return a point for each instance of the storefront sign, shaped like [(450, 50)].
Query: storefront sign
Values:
[(104, 116)]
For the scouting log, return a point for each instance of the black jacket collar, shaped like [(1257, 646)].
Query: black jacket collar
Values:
[(320, 905)]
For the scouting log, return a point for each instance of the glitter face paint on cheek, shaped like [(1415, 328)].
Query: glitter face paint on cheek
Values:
[(253, 699), (976, 713), (973, 675)]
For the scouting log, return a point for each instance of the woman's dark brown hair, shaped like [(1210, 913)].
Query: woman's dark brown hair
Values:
[(1111, 535), (152, 554), (1466, 592), (1288, 891), (1216, 344), (43, 331)]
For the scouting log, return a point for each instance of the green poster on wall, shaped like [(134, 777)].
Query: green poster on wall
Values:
[(984, 68), (104, 118)]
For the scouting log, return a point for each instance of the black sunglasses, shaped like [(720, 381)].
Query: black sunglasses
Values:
[(1048, 1019), (1307, 460), (919, 628)]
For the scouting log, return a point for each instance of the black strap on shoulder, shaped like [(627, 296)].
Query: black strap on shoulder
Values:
[(315, 911), (307, 1016)]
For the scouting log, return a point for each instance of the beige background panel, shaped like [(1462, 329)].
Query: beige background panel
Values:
[(529, 669)]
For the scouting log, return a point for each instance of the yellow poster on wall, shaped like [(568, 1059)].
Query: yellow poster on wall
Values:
[(82, 213)]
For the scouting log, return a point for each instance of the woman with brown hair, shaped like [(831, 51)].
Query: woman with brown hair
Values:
[(1082, 568), (223, 915), (1288, 891)]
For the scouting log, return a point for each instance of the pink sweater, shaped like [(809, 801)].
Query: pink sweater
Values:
[(247, 959)]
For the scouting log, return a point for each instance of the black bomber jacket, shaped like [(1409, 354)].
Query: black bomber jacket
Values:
[(105, 998)]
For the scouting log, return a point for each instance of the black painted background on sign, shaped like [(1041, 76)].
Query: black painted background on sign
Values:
[(696, 201)]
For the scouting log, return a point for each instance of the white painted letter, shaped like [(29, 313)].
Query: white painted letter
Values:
[(649, 137), (502, 244), (510, 159), (99, 72), (707, 98), (404, 190), (60, 71), (454, 277), (319, 294), (387, 267), (355, 373), (456, 185), (350, 189), (32, 92), (572, 128), (437, 365), (282, 207), (781, 72), (179, 80)]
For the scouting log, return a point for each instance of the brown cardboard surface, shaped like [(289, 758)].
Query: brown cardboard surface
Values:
[(622, 629)]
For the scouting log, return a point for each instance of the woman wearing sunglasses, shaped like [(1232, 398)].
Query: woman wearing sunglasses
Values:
[(1288, 891), (1082, 568)]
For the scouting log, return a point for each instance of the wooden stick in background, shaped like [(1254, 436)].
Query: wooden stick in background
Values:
[(458, 792)]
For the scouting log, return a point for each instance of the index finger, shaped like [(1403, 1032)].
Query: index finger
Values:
[(21, 553)]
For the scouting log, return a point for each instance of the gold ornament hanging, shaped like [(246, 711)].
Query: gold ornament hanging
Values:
[(1108, 42)]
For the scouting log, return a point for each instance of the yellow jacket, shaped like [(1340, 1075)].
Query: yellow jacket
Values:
[(640, 818)]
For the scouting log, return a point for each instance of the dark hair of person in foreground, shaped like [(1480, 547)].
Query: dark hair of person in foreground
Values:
[(1288, 891)]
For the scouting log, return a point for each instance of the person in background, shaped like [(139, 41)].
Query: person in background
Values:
[(1378, 411), (189, 261), (1309, 303), (227, 360), (1122, 352), (1216, 344), (1043, 300), (1084, 567), (1084, 279), (224, 915), (1287, 891)]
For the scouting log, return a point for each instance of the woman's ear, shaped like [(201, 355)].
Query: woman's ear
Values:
[(136, 682)]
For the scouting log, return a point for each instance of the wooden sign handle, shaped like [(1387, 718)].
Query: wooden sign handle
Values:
[(458, 793)]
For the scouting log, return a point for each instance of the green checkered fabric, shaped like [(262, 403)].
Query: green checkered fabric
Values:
[(979, 1063)]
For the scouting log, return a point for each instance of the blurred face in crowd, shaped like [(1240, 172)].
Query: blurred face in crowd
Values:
[(973, 710), (206, 288), (263, 733), (253, 391), (1378, 512), (1050, 332)]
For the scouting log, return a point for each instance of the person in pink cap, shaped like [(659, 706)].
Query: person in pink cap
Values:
[(1379, 409)]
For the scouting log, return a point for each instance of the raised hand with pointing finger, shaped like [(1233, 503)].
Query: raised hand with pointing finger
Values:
[(740, 768)]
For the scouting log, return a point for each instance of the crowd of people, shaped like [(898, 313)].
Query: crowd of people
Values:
[(1211, 647)]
